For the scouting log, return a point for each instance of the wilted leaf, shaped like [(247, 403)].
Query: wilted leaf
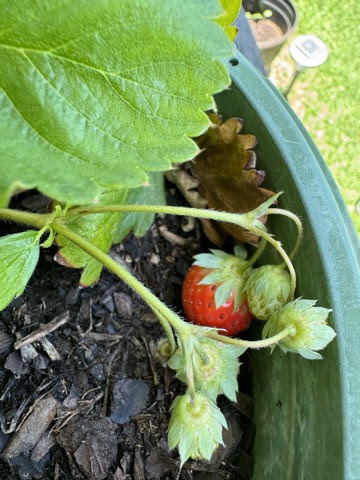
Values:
[(19, 254), (94, 94), (227, 176)]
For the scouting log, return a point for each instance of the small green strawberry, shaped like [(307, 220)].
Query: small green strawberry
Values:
[(310, 331), (195, 426), (267, 289)]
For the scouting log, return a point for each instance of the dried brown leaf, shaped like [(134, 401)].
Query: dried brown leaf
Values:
[(227, 176)]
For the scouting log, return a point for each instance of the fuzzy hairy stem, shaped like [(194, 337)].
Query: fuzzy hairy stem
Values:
[(278, 247), (257, 344), (235, 218), (164, 313), (256, 256), (296, 220), (168, 330), (155, 303), (36, 220)]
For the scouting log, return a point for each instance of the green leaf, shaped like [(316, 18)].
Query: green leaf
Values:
[(240, 252), (95, 94), (252, 218), (231, 11), (213, 277), (151, 194), (19, 254), (207, 260), (100, 229), (223, 292), (105, 229)]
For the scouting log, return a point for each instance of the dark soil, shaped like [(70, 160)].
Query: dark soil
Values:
[(92, 400), (265, 30)]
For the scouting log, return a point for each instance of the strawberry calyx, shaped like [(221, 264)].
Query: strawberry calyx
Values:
[(310, 332), (228, 271), (195, 426), (215, 366)]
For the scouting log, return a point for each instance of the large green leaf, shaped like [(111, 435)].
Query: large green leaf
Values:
[(100, 229), (95, 93), (19, 254)]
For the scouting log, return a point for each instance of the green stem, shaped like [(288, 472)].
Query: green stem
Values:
[(219, 216), (296, 220), (168, 330), (278, 247), (156, 304), (235, 218), (36, 220), (184, 329), (165, 313), (257, 344), (256, 255)]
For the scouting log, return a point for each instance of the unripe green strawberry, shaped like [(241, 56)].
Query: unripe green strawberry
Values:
[(195, 426), (309, 330), (267, 290), (215, 366)]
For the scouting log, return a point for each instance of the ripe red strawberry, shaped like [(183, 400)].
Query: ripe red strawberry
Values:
[(213, 297)]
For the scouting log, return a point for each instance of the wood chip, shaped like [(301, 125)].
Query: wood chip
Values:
[(50, 349), (15, 364), (123, 304), (130, 396), (172, 237), (103, 337), (46, 442), (43, 330), (93, 444), (28, 352), (6, 342), (138, 466), (32, 429), (155, 259)]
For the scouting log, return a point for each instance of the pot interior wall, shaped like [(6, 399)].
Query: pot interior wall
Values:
[(302, 411)]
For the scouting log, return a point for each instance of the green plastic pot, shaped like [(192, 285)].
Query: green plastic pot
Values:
[(307, 413)]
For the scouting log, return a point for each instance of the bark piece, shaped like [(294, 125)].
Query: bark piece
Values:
[(15, 364), (46, 442), (43, 330), (138, 466), (6, 342), (123, 304), (93, 444), (129, 398), (34, 426)]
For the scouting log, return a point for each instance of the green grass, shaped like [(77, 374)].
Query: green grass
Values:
[(327, 98)]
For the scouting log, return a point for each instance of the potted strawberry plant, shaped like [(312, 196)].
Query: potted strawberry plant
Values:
[(85, 122)]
